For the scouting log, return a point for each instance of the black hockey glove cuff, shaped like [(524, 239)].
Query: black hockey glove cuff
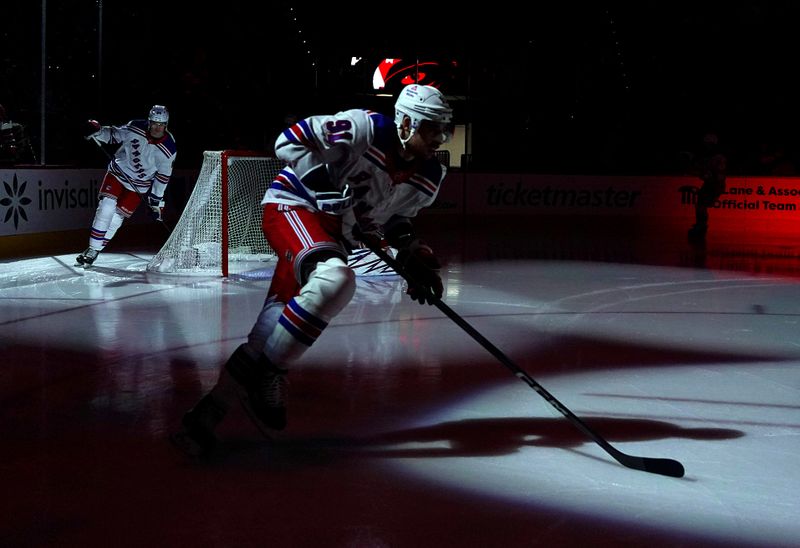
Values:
[(422, 271), (370, 236), (399, 232)]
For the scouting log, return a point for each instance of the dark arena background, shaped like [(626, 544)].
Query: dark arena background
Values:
[(611, 88), (563, 231)]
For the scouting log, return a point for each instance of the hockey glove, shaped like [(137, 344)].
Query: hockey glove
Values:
[(422, 269), (156, 207), (371, 236), (92, 129)]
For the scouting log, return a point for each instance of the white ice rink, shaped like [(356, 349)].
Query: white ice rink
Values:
[(697, 365)]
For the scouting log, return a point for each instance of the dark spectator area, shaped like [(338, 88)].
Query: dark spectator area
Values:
[(619, 88)]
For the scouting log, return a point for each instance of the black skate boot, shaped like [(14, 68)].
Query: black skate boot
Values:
[(196, 437), (86, 258), (261, 387)]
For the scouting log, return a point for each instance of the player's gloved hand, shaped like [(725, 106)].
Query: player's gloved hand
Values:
[(156, 207), (370, 236), (92, 129), (422, 269)]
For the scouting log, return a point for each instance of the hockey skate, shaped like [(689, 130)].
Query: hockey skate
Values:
[(86, 258), (262, 389), (196, 437)]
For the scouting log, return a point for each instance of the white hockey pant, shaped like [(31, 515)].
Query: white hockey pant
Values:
[(107, 219), (285, 332)]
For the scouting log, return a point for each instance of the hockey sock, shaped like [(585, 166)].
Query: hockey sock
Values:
[(328, 290)]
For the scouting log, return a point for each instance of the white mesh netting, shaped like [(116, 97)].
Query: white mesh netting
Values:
[(196, 243)]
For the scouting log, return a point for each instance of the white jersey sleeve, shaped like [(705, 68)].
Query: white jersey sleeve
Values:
[(332, 141), (354, 153)]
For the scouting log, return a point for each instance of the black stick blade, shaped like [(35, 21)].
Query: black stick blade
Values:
[(665, 467)]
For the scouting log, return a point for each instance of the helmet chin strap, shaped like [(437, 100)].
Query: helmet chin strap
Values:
[(405, 152), (401, 129)]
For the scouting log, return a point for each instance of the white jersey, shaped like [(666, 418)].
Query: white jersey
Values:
[(140, 159), (354, 150)]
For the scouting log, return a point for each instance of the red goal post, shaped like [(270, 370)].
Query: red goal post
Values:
[(221, 223)]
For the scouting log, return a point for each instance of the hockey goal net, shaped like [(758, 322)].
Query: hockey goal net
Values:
[(221, 223)]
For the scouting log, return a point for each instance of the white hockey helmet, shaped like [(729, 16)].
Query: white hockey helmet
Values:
[(159, 114), (421, 103)]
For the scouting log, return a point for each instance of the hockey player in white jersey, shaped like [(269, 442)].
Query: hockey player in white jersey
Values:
[(352, 176), (139, 171)]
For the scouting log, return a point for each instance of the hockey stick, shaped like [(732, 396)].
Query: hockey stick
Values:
[(665, 467), (133, 186)]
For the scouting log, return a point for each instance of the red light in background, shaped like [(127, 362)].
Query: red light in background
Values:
[(389, 70)]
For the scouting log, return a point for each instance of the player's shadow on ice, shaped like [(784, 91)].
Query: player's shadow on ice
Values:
[(477, 438), (491, 437)]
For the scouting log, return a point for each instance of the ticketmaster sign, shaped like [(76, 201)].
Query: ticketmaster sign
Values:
[(747, 201)]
